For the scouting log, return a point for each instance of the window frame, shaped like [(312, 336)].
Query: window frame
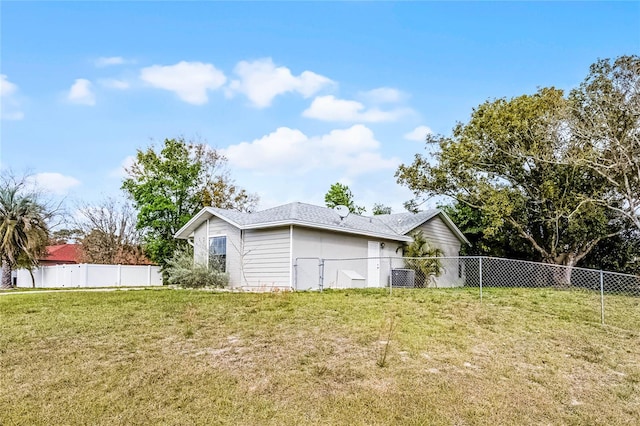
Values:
[(221, 256)]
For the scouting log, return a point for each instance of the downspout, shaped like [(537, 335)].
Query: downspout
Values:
[(206, 244), (291, 256)]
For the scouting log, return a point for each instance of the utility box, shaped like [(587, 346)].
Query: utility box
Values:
[(403, 278), (349, 279)]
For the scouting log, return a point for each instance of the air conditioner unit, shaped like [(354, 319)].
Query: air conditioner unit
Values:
[(403, 278)]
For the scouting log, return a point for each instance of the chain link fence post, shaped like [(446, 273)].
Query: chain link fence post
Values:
[(295, 274), (321, 270), (480, 271), (602, 297), (390, 277)]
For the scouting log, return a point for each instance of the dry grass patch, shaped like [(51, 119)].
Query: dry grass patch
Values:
[(189, 357)]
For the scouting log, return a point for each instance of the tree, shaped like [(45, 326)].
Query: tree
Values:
[(620, 253), (23, 226), (65, 236), (508, 162), (379, 209), (421, 256), (472, 223), (171, 184), (412, 206), (606, 129), (340, 195), (109, 234)]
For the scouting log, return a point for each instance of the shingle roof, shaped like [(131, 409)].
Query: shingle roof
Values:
[(393, 226), (310, 215), (401, 223)]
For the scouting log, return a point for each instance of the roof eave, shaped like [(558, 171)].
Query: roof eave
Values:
[(188, 229)]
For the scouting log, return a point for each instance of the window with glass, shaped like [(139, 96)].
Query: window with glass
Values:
[(218, 253)]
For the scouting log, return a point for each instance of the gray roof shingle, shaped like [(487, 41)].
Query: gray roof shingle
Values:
[(307, 214), (392, 226)]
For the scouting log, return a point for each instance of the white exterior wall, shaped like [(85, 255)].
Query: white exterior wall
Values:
[(351, 252), (267, 258), (256, 259), (201, 244), (439, 234)]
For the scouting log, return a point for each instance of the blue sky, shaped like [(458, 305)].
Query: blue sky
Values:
[(297, 95)]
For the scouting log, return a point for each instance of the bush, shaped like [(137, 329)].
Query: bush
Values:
[(184, 272)]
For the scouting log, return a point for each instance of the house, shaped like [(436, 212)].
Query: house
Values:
[(61, 254), (302, 246)]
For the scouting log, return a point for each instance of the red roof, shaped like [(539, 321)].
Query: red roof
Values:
[(63, 253)]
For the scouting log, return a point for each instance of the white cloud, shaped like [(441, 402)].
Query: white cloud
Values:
[(261, 81), (273, 151), (353, 151), (383, 95), (9, 104), (418, 134), (81, 93), (330, 108), (108, 61), (189, 80), (113, 83), (120, 172), (7, 88), (55, 183)]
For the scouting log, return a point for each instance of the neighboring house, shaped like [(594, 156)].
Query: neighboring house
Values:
[(62, 254), (269, 248)]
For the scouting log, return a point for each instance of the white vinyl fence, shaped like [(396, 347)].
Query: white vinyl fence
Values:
[(90, 275)]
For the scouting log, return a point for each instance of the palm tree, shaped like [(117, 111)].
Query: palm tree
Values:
[(421, 256), (23, 228)]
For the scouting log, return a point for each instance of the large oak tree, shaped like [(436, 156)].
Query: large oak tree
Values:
[(605, 125), (513, 161)]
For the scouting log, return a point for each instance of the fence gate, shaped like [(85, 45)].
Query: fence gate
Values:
[(307, 273)]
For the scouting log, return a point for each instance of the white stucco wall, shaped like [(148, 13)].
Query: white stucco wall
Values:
[(341, 252)]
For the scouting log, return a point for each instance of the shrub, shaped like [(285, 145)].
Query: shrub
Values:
[(184, 272)]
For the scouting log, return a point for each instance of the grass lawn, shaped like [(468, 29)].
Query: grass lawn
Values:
[(419, 357)]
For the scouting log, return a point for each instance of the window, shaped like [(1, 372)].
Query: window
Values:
[(218, 253)]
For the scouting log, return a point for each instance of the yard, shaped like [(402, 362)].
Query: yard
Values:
[(431, 356)]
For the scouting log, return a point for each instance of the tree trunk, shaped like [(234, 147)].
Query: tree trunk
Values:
[(33, 279), (562, 272), (6, 274)]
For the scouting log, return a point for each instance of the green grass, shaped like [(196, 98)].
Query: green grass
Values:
[(189, 357)]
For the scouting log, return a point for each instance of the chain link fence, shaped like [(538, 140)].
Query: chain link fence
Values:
[(591, 295)]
